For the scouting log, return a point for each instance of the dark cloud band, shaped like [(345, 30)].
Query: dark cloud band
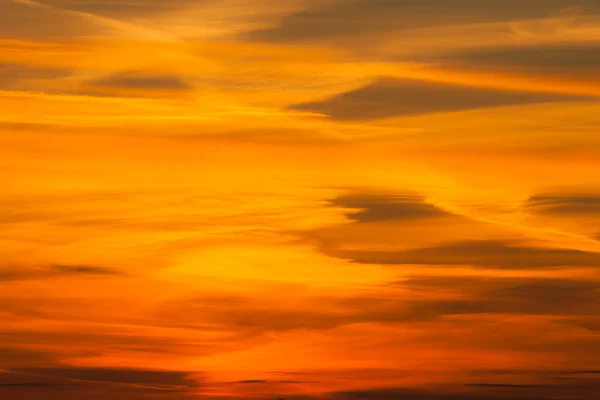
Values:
[(391, 97)]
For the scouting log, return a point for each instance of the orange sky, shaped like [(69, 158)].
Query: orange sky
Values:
[(301, 199)]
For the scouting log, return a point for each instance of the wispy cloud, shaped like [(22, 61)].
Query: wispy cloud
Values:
[(397, 97)]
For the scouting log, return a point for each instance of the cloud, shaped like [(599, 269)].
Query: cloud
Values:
[(395, 97), (71, 383), (585, 390), (77, 22), (542, 385), (583, 372), (18, 357), (19, 273), (538, 289), (477, 253), (439, 394), (152, 378), (507, 385), (139, 80), (350, 18), (537, 296), (387, 207), (414, 299), (564, 204), (31, 384), (248, 314), (86, 341), (83, 269), (19, 21), (591, 323), (558, 58), (19, 76), (120, 8)]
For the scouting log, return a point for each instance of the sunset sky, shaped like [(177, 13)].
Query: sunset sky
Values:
[(300, 199)]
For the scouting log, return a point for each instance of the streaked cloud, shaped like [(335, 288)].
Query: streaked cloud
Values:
[(17, 273), (539, 296), (17, 76), (478, 253), (139, 81), (389, 97), (137, 84), (571, 58), (157, 379), (363, 17), (372, 207), (96, 382), (564, 204)]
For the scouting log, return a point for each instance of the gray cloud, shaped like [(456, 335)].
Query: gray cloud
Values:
[(583, 372), (122, 8), (18, 21), (18, 76), (19, 357), (158, 379), (439, 394), (591, 323), (250, 315), (83, 269), (387, 207), (71, 383), (21, 21), (564, 58), (478, 253), (31, 384), (533, 289), (508, 385), (571, 299), (19, 273), (89, 340), (585, 389), (568, 204), (363, 17), (391, 97), (139, 80)]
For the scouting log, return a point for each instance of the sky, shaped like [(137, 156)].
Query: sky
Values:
[(299, 200)]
